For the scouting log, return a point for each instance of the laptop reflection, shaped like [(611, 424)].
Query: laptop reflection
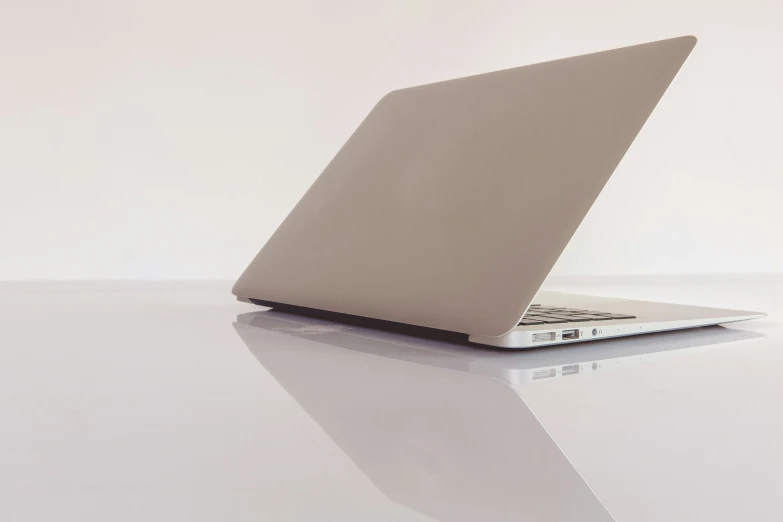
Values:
[(441, 427)]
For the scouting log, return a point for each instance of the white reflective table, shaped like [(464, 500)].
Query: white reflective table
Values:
[(172, 401)]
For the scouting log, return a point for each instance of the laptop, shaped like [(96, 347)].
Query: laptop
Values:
[(449, 205)]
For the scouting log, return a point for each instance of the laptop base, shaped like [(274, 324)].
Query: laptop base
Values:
[(648, 317)]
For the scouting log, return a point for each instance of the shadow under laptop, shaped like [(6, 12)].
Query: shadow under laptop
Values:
[(442, 427)]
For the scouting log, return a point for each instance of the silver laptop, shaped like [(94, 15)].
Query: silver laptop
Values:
[(451, 202)]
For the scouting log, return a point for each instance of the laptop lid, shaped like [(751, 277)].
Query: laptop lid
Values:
[(451, 202)]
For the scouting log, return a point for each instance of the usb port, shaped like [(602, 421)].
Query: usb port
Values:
[(570, 369), (544, 374), (570, 334)]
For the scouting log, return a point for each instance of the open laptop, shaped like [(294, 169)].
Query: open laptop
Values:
[(451, 202)]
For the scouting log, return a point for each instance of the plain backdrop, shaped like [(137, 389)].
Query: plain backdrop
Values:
[(169, 138)]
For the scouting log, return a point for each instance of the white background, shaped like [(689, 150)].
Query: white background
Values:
[(169, 138)]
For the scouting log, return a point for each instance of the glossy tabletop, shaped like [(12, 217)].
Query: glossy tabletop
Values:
[(172, 401)]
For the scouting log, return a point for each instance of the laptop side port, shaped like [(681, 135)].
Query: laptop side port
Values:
[(570, 334), (570, 369), (544, 374)]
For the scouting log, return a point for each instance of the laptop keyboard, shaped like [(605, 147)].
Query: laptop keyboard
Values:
[(538, 314)]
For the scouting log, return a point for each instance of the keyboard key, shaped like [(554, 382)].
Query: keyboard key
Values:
[(538, 314)]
